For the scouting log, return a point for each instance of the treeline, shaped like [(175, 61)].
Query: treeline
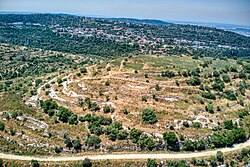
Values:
[(215, 42), (43, 37)]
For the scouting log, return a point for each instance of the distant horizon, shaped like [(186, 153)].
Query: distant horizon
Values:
[(213, 11), (109, 17)]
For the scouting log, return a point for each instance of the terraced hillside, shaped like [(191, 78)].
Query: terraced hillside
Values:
[(127, 86), (137, 103)]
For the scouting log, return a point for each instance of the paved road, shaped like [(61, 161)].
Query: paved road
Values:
[(129, 156)]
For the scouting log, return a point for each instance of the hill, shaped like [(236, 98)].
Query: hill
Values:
[(108, 38), (121, 104), (141, 21)]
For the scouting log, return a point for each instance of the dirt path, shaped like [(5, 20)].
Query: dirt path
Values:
[(129, 156), (121, 65)]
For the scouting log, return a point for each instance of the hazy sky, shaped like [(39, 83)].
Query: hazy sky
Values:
[(218, 11)]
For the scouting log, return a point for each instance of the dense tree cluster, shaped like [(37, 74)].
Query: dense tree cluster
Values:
[(51, 108)]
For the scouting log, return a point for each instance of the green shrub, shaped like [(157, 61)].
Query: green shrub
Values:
[(226, 78), (2, 126), (231, 97), (148, 116), (195, 81), (209, 108), (168, 74), (157, 87), (196, 125), (86, 163), (83, 70), (34, 163), (216, 74), (186, 124), (209, 95), (144, 98), (93, 141), (151, 163), (243, 113), (228, 124), (59, 80), (171, 139), (58, 149), (108, 109), (73, 119), (135, 135)]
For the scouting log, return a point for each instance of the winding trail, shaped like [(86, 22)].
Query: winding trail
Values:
[(129, 156)]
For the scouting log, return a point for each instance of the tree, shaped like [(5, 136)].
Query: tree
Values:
[(107, 83), (148, 116), (146, 142), (108, 109), (83, 70), (122, 135), (243, 113), (200, 145), (1, 163), (157, 87), (242, 75), (68, 142), (48, 105), (108, 69), (247, 68), (186, 124), (228, 124), (226, 78), (189, 145), (135, 135), (231, 97), (149, 143), (73, 119), (113, 134), (209, 108), (181, 163), (171, 139), (218, 86), (94, 107), (213, 161), (209, 95), (125, 111), (216, 74), (76, 144), (95, 128), (2, 126), (219, 156), (144, 98), (168, 74), (177, 83), (51, 113), (196, 125), (195, 81), (151, 163), (93, 141), (58, 150), (87, 163), (59, 80), (64, 114), (38, 82), (88, 102), (34, 163)]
